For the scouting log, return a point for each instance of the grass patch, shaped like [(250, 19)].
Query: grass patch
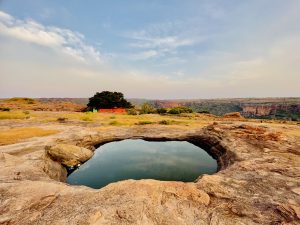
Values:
[(88, 117), (169, 122), (115, 123), (15, 135), (12, 115)]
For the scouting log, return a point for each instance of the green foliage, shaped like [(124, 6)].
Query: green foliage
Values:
[(147, 109), (131, 111), (178, 110), (174, 111), (108, 100), (161, 111), (145, 122), (26, 112)]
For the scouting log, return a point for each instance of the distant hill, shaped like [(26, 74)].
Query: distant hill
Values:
[(264, 108)]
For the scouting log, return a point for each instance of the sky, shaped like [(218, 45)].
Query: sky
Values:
[(154, 49)]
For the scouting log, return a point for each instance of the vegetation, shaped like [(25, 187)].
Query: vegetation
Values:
[(161, 111), (21, 100), (178, 110), (12, 115), (4, 109), (115, 123), (132, 111), (87, 117), (14, 135), (144, 122), (108, 100), (147, 108)]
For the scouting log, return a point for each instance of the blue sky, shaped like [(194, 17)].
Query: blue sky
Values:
[(150, 49)]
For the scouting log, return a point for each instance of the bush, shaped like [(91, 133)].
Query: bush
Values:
[(131, 112), (62, 119), (144, 122), (178, 110), (161, 111), (147, 109), (169, 122), (174, 111), (164, 122), (204, 112), (4, 109), (114, 123)]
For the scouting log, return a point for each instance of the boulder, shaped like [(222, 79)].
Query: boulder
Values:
[(68, 155)]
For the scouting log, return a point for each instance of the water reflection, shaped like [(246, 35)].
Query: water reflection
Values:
[(139, 159)]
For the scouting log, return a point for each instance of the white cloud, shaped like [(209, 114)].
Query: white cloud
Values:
[(70, 42)]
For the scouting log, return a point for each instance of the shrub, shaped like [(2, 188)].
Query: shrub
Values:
[(62, 119), (26, 112), (114, 123), (161, 111), (145, 122), (131, 112), (147, 108), (204, 112), (4, 109), (164, 122), (174, 111), (169, 122), (178, 110)]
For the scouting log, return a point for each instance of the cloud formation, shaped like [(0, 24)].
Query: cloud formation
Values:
[(222, 52), (67, 41)]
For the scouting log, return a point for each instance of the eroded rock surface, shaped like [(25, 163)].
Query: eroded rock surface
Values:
[(258, 182), (68, 155)]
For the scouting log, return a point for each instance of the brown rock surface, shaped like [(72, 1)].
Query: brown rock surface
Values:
[(233, 115), (68, 155), (258, 181)]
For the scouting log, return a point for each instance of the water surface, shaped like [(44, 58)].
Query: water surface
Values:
[(139, 159)]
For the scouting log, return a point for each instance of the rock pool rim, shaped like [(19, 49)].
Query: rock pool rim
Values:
[(210, 144)]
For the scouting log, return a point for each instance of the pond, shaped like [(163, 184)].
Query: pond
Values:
[(139, 159)]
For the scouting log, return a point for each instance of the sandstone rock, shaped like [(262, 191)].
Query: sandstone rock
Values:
[(233, 115), (69, 155), (258, 182)]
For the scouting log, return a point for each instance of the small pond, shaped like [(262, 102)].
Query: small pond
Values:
[(139, 159)]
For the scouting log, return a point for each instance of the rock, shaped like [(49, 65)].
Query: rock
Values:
[(258, 181), (233, 115), (68, 155)]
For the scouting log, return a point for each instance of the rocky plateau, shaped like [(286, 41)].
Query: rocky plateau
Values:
[(258, 180)]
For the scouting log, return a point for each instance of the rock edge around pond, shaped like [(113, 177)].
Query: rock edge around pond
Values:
[(260, 187), (62, 159), (68, 155)]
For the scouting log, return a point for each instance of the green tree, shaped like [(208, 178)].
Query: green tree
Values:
[(108, 100)]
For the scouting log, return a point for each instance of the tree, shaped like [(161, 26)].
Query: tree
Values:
[(108, 100)]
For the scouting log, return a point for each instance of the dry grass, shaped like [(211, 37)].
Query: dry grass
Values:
[(13, 115), (15, 135)]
